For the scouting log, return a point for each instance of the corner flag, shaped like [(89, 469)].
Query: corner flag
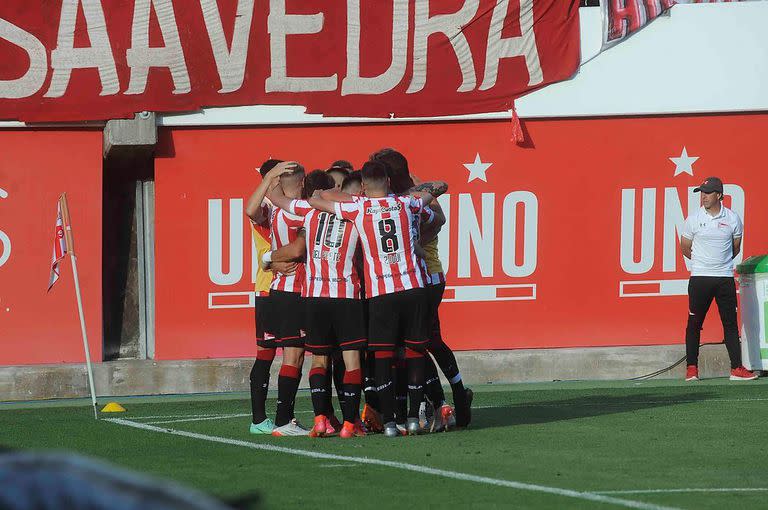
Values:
[(59, 247)]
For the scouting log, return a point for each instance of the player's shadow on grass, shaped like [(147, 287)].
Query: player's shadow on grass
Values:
[(573, 408)]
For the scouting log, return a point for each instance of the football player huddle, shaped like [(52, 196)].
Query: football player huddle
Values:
[(350, 272)]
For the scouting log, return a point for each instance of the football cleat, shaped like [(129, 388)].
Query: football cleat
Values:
[(334, 423), (372, 419), (320, 428), (692, 373), (332, 426), (264, 427), (350, 429), (413, 426), (391, 429), (426, 416), (444, 419), (292, 428)]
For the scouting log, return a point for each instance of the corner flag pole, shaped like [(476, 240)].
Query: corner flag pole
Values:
[(71, 249)]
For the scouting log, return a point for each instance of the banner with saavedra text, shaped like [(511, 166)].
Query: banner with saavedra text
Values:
[(93, 59)]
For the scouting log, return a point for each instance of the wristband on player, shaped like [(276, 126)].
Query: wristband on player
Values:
[(266, 259)]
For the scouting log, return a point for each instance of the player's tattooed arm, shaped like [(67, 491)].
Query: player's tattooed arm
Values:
[(434, 188)]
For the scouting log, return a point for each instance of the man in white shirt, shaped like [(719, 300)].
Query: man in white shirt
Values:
[(711, 238)]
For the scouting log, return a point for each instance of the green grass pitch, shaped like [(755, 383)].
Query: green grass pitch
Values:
[(656, 444)]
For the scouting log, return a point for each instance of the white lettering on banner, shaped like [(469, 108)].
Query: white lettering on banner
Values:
[(470, 232), (229, 62), (523, 45), (5, 241), (472, 239), (647, 231), (141, 57), (530, 234), (673, 219), (353, 83), (450, 25), (215, 242), (280, 25), (99, 55), (33, 78)]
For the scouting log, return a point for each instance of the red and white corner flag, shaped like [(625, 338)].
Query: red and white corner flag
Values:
[(59, 246), (63, 244)]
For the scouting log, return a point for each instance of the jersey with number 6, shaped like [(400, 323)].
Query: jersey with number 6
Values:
[(387, 237), (331, 246)]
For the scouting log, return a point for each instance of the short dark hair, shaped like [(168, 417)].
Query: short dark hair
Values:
[(342, 163), (317, 179), (397, 169), (353, 177), (341, 170), (268, 165), (374, 172)]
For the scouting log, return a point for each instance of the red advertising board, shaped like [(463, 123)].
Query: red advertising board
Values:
[(90, 59), (572, 243), (35, 168)]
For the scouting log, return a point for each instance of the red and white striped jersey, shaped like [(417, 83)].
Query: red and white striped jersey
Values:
[(386, 233), (284, 229), (331, 246)]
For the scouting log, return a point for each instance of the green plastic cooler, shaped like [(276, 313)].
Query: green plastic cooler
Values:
[(753, 289)]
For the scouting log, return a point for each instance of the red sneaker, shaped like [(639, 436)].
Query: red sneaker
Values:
[(320, 429), (692, 373), (350, 429), (742, 374)]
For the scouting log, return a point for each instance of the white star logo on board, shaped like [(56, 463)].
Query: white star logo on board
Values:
[(477, 169), (684, 164)]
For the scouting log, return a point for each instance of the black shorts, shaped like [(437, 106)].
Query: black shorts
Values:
[(398, 320), (334, 323), (283, 320)]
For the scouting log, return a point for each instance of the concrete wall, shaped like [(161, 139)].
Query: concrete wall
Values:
[(147, 377)]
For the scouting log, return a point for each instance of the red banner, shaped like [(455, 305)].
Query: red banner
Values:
[(89, 60), (36, 168), (572, 244)]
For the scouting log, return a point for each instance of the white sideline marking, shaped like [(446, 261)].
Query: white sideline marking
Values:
[(397, 465), (663, 491), (200, 418), (163, 416)]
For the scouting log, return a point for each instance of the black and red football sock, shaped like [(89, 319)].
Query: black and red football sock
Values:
[(287, 385), (432, 386), (319, 390), (384, 385), (447, 362), (401, 390), (415, 364), (351, 389), (260, 383), (369, 385)]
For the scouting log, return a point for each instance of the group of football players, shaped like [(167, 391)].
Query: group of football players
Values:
[(350, 273)]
